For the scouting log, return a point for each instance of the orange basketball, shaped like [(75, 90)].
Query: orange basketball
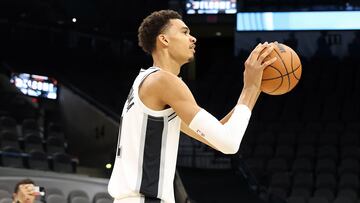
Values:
[(284, 74)]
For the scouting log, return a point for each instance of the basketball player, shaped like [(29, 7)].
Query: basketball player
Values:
[(160, 104)]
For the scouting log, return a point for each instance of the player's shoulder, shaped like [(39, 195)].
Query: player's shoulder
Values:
[(163, 78), (161, 81)]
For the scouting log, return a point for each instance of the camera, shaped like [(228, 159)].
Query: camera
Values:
[(39, 191)]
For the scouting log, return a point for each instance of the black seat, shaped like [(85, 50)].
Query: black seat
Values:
[(38, 160), (62, 163), (33, 141), (55, 145), (12, 157)]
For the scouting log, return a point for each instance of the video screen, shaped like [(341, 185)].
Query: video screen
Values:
[(35, 85), (210, 6), (302, 20)]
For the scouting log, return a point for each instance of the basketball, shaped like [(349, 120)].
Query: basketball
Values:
[(284, 74)]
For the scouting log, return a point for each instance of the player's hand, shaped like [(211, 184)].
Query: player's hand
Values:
[(255, 64)]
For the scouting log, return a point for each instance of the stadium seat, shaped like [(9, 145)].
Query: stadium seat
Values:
[(265, 138), (59, 135), (327, 152), (278, 191), (7, 123), (9, 139), (102, 197), (326, 180), (325, 193), (55, 145), (328, 139), (349, 166), (104, 201), (38, 160), (79, 200), (304, 180), (245, 151), (306, 151), (296, 199), (4, 194), (318, 200), (285, 152), (62, 163), (325, 166), (350, 109), (307, 138), (302, 165), (352, 152), (54, 127), (33, 141), (51, 191), (55, 198), (256, 166), (331, 110), (275, 165), (343, 199), (12, 157), (5, 187), (280, 180), (263, 152), (301, 192), (78, 196), (6, 200), (349, 193), (334, 127), (349, 139), (29, 126), (353, 125), (349, 181), (286, 138)]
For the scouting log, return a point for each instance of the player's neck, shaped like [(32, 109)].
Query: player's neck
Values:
[(166, 63)]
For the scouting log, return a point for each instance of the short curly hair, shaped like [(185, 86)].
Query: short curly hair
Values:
[(23, 182), (152, 26)]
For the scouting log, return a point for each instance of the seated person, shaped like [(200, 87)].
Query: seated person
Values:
[(24, 192)]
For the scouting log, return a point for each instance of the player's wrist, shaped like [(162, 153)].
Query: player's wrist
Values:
[(249, 96), (251, 89)]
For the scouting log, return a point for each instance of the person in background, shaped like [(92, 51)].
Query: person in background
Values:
[(24, 192)]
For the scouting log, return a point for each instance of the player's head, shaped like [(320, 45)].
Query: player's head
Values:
[(165, 31), (21, 191)]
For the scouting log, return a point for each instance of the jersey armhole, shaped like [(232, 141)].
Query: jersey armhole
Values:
[(146, 109)]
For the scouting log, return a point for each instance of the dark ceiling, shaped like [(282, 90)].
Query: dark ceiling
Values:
[(99, 15)]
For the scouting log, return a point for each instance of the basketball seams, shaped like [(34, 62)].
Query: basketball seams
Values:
[(293, 72), (282, 79), (292, 66), (287, 72)]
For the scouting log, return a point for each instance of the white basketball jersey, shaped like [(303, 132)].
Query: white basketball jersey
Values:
[(147, 148)]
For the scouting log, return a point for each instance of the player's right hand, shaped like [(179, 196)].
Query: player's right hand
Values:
[(255, 64)]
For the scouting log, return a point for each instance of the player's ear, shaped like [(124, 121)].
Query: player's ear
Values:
[(163, 39)]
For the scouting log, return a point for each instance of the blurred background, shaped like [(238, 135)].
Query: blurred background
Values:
[(66, 68)]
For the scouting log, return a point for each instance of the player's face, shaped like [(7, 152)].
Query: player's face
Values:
[(181, 44)]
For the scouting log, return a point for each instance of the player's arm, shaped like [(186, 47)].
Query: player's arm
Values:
[(223, 137)]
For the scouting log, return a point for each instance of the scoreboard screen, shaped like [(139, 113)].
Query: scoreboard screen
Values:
[(35, 85), (210, 6)]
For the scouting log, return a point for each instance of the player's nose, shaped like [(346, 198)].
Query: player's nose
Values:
[(192, 39)]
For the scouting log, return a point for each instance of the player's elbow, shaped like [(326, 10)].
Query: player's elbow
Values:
[(230, 148)]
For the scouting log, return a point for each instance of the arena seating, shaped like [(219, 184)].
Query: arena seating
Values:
[(59, 188)]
